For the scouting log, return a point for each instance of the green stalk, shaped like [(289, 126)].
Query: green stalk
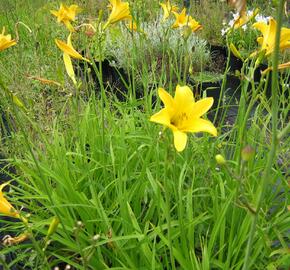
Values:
[(223, 86), (267, 171)]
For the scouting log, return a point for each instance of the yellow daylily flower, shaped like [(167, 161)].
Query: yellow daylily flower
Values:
[(182, 114), (120, 11), (185, 20), (267, 41), (6, 41), (5, 207), (181, 19), (168, 9), (244, 19), (193, 24), (66, 14), (69, 51)]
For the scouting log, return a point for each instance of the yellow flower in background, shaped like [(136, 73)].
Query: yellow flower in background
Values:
[(168, 9), (6, 41), (267, 41), (182, 114), (182, 20), (244, 18), (66, 14), (193, 24), (5, 207), (68, 52), (120, 11)]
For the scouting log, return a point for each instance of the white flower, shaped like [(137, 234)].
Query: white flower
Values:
[(261, 18), (224, 31), (231, 23)]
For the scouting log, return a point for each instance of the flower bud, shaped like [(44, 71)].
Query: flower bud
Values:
[(247, 153), (220, 159), (53, 226), (235, 51)]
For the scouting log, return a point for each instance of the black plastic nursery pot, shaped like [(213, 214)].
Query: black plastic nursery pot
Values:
[(213, 89), (114, 79)]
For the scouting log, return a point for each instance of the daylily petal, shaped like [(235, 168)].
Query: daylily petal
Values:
[(162, 117), (5, 207), (72, 11), (262, 27), (5, 41), (166, 98), (66, 14), (68, 49), (183, 97), (180, 140), (260, 40), (201, 125), (285, 45), (120, 11), (7, 44), (167, 9), (201, 107), (69, 67)]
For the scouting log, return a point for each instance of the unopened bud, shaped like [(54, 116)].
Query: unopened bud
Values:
[(96, 237), (235, 51), (220, 159), (52, 226), (247, 153), (79, 224), (190, 70)]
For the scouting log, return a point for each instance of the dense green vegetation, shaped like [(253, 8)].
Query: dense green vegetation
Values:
[(98, 185)]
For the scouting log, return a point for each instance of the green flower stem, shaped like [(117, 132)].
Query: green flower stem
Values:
[(244, 119), (99, 72), (223, 87), (267, 172)]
